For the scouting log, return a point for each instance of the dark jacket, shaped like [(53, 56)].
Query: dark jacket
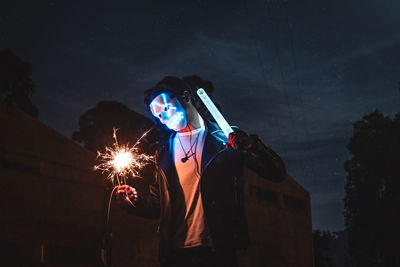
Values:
[(221, 188)]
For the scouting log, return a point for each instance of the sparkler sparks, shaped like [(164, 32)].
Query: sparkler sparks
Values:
[(121, 161)]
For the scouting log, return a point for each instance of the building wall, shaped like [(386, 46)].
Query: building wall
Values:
[(279, 222), (53, 203)]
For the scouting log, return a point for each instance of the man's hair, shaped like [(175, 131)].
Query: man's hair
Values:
[(171, 85)]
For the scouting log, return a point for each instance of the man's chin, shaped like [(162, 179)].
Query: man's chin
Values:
[(179, 127)]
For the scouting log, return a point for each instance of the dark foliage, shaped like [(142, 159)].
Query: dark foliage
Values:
[(16, 85), (96, 127), (372, 200), (322, 254)]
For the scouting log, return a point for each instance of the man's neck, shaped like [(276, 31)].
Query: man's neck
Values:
[(194, 121)]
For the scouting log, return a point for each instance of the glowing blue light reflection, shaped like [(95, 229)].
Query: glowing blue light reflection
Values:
[(174, 120), (223, 124), (166, 112)]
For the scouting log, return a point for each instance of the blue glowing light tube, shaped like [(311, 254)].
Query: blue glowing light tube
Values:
[(223, 124)]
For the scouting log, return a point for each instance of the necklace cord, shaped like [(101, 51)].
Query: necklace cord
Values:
[(187, 156)]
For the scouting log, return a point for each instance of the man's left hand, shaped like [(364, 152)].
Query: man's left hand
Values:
[(240, 140)]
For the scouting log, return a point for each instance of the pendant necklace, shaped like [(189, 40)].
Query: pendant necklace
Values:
[(187, 156)]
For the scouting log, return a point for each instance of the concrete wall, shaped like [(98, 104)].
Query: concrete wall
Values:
[(280, 226), (53, 205)]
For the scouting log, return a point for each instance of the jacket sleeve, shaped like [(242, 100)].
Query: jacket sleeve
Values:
[(264, 161), (147, 204)]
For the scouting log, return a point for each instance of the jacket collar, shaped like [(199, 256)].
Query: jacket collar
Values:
[(215, 141)]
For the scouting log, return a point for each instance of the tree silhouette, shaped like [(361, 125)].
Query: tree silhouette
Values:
[(321, 242), (372, 198), (96, 126), (16, 85)]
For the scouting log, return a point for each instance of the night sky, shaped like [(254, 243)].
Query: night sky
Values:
[(297, 73)]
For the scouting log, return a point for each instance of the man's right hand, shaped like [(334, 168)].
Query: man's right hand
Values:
[(126, 192)]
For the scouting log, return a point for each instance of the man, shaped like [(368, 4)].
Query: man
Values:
[(197, 188)]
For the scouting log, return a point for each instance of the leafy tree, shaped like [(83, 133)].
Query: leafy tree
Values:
[(96, 126), (16, 85), (372, 198), (322, 241)]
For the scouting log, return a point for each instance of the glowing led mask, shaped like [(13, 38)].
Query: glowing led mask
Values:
[(169, 111)]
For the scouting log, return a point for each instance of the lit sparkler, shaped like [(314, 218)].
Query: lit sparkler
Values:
[(121, 161)]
